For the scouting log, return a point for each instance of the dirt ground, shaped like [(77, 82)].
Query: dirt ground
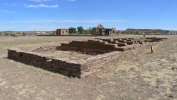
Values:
[(145, 76), (65, 54)]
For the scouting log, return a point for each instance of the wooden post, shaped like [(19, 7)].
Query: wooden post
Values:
[(152, 49)]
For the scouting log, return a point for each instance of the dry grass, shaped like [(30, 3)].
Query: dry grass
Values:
[(145, 76), (66, 54)]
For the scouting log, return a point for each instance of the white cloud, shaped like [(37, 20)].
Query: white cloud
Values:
[(13, 4), (6, 11), (41, 6), (69, 21)]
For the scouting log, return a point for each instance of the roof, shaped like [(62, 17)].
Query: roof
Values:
[(100, 26)]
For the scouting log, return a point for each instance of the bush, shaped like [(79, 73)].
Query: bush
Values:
[(54, 33), (6, 34)]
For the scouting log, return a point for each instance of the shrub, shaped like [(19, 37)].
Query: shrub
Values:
[(6, 34)]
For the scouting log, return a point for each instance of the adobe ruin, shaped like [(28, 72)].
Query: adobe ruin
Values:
[(62, 32), (100, 30), (91, 55)]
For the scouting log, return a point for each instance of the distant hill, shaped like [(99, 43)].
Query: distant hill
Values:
[(149, 31)]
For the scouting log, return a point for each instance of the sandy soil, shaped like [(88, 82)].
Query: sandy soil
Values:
[(145, 76), (65, 54)]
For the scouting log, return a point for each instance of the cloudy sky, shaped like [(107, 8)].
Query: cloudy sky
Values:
[(41, 15)]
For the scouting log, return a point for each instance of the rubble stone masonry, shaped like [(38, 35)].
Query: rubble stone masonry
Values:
[(106, 52)]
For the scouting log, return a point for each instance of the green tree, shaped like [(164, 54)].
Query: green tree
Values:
[(80, 30), (88, 31), (72, 30), (166, 32)]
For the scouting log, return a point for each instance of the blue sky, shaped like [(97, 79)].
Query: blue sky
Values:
[(43, 15)]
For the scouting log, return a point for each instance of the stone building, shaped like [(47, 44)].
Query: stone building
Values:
[(62, 32), (100, 30)]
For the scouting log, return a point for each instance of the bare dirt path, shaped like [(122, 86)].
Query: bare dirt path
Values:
[(142, 77)]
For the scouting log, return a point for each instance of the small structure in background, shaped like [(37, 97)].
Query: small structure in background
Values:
[(15, 34), (62, 32), (172, 32), (100, 30)]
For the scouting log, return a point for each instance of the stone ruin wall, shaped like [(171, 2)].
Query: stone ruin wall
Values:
[(46, 62), (101, 46), (79, 68)]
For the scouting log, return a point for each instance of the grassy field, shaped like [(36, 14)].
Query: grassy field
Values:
[(145, 76)]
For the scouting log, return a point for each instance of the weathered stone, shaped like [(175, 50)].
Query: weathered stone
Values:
[(107, 53)]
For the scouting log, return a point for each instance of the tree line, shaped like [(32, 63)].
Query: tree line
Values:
[(80, 30)]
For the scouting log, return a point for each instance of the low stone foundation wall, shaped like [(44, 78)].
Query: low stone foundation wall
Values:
[(77, 68), (50, 63), (88, 47), (101, 46)]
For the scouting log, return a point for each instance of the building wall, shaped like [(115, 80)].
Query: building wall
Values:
[(62, 32), (94, 31), (113, 31), (58, 32)]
